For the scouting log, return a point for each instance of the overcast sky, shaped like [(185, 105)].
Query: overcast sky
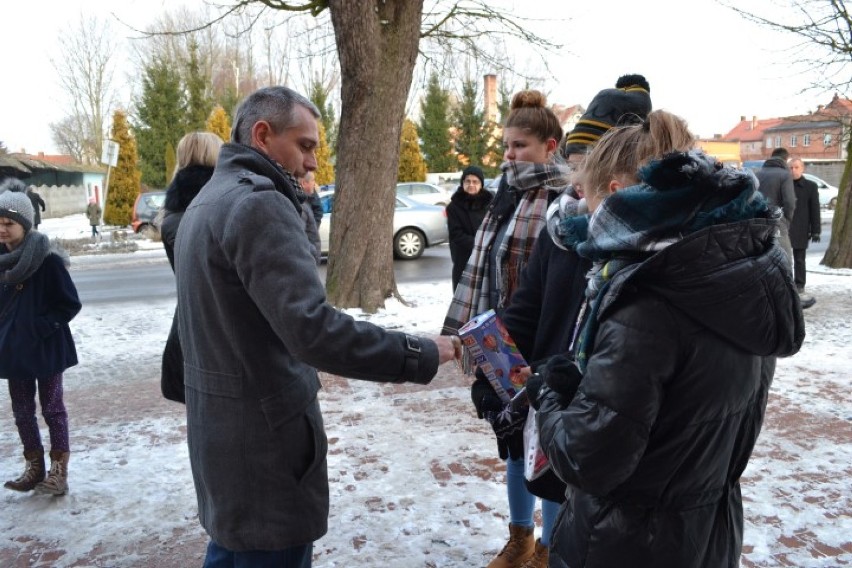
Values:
[(702, 60)]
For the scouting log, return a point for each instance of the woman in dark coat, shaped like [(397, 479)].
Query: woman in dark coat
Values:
[(37, 300), (465, 212), (196, 157), (690, 303)]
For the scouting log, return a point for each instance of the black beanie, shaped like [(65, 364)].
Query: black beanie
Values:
[(628, 103), (473, 171)]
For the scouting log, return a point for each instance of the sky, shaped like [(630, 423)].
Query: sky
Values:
[(702, 60), (414, 477)]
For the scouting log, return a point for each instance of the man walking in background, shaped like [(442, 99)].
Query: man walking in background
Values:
[(805, 227), (776, 184)]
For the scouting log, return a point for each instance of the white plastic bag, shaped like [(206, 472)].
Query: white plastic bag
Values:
[(535, 462)]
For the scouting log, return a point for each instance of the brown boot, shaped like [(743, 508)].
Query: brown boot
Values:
[(57, 479), (518, 550), (33, 474), (539, 558)]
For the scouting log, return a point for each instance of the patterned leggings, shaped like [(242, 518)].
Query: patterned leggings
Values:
[(22, 392)]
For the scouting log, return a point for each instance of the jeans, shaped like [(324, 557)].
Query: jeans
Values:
[(294, 557), (522, 502), (50, 395)]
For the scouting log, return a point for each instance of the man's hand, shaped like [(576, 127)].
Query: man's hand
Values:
[(815, 237), (449, 348)]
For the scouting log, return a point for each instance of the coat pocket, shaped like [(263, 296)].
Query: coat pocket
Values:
[(213, 382)]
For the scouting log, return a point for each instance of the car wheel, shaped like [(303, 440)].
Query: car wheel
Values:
[(408, 244)]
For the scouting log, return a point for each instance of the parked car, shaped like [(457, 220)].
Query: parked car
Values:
[(424, 193), (827, 192), (145, 210), (416, 226)]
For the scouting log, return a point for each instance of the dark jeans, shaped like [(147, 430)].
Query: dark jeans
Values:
[(50, 391), (293, 557), (799, 268)]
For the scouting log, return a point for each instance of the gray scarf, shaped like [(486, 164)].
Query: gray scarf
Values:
[(21, 263)]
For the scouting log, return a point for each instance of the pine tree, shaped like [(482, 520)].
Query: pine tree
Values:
[(125, 179), (325, 170), (161, 114), (412, 166), (320, 97), (198, 103), (470, 125), (434, 128), (171, 161), (218, 123)]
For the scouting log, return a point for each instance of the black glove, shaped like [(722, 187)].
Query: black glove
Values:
[(815, 237), (562, 375)]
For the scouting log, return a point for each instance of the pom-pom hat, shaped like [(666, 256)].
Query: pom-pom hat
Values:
[(15, 204), (628, 103)]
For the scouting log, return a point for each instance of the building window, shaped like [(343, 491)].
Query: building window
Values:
[(794, 140), (777, 141), (806, 140), (826, 139), (769, 142)]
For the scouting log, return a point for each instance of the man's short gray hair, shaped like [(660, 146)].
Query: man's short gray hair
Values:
[(275, 105)]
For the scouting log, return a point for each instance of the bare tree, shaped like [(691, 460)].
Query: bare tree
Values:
[(66, 136), (85, 72), (825, 30)]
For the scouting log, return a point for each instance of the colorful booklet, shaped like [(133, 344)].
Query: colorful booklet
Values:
[(495, 352)]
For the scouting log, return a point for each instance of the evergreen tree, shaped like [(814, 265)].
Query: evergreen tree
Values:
[(412, 165), (171, 161), (161, 115), (472, 136), (124, 179), (320, 97), (325, 170), (197, 102), (218, 123), (434, 128), (504, 103)]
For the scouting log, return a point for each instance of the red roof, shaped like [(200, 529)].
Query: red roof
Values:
[(750, 130)]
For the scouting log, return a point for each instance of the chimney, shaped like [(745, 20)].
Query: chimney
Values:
[(742, 118), (820, 108), (753, 122), (41, 155), (490, 97)]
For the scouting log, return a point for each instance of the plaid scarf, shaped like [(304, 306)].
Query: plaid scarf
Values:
[(678, 195), (532, 184)]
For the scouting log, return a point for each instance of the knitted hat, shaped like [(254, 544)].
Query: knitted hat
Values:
[(628, 103), (473, 171), (15, 204)]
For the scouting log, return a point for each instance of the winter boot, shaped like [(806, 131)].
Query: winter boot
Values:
[(57, 479), (33, 474), (518, 550), (539, 558)]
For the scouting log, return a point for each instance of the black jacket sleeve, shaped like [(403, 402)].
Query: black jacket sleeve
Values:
[(815, 222), (522, 315)]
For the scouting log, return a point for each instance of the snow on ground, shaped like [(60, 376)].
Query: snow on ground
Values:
[(414, 477)]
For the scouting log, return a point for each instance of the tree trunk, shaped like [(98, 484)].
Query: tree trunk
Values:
[(377, 43), (839, 252)]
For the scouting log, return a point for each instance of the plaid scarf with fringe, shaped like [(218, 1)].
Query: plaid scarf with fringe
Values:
[(532, 184)]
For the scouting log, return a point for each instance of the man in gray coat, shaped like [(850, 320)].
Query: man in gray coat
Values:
[(776, 184), (255, 326)]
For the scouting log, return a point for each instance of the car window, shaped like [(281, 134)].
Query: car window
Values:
[(327, 203), (422, 189), (400, 204), (403, 189), (155, 201)]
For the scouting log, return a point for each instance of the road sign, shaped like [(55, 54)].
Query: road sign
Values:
[(110, 153)]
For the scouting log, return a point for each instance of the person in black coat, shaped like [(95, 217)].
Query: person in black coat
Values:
[(37, 300), (655, 419), (806, 224), (196, 157), (38, 206), (465, 212)]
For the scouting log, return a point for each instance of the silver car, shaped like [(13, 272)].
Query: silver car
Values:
[(416, 226), (423, 192)]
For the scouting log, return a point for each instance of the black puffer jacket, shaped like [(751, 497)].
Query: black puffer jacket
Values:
[(464, 216), (653, 444)]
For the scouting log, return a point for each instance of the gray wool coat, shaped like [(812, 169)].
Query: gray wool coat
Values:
[(255, 326)]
